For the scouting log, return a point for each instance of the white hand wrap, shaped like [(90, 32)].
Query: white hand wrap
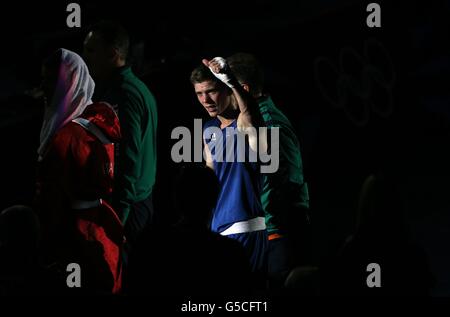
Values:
[(223, 77)]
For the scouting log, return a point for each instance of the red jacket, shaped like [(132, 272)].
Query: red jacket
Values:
[(74, 178)]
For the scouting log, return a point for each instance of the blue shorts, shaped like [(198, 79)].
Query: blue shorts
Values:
[(256, 246)]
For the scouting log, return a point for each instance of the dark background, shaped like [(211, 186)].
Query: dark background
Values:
[(170, 38)]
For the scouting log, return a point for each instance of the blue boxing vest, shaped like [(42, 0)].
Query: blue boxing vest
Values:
[(240, 182)]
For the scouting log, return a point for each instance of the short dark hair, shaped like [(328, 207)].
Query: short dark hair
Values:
[(114, 35), (247, 70), (201, 74)]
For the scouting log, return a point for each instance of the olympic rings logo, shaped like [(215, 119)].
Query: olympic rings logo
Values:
[(358, 83)]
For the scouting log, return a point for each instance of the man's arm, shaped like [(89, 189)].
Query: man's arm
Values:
[(208, 157), (248, 107), (249, 116), (128, 169)]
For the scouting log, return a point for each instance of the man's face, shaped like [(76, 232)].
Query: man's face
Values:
[(97, 56), (214, 98)]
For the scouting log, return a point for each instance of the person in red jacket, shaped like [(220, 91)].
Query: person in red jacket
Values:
[(75, 176)]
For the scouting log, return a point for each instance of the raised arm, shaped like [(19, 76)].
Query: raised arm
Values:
[(249, 113), (250, 118)]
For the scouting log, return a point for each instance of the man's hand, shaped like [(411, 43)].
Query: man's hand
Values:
[(220, 69), (249, 116)]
